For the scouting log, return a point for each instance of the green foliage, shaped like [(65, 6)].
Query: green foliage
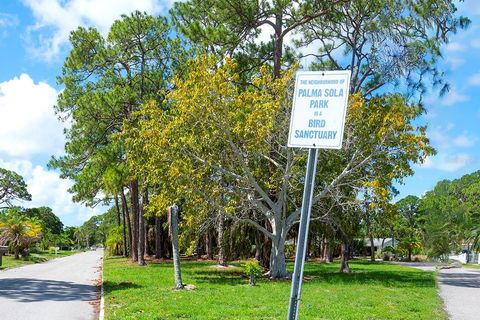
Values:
[(409, 225), (289, 250), (19, 231), (114, 240), (50, 222), (385, 42), (12, 187), (253, 270), (451, 214), (106, 79), (232, 28)]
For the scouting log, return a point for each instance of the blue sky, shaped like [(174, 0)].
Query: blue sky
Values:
[(34, 43)]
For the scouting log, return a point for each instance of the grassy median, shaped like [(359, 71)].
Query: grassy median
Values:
[(10, 261), (371, 291)]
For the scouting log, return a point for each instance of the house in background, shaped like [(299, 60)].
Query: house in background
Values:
[(380, 244), (466, 256)]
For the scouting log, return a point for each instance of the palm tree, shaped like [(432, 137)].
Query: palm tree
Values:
[(19, 231)]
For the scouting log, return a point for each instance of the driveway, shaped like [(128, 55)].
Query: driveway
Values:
[(60, 289), (460, 290)]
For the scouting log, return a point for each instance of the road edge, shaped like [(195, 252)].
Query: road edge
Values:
[(101, 315)]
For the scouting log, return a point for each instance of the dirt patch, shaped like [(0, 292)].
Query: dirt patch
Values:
[(220, 267), (98, 291)]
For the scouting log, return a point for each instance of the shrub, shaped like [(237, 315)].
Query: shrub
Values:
[(253, 270), (289, 250)]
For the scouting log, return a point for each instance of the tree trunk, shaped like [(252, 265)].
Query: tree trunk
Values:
[(141, 235), (119, 221), (209, 244), (135, 215), (258, 247), (129, 224), (173, 212), (118, 210), (158, 237), (278, 265), (124, 231), (145, 223), (278, 45), (221, 241), (410, 255), (17, 252), (372, 249), (328, 252), (266, 246), (309, 248), (344, 267)]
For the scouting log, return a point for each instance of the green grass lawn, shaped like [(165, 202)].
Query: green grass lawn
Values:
[(371, 291), (10, 262), (471, 266)]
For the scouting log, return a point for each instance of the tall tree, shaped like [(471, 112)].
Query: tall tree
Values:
[(408, 228), (218, 137), (356, 35), (450, 214), (106, 79), (233, 27), (45, 215), (12, 187), (385, 43)]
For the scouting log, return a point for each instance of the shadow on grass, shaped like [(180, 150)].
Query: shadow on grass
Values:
[(110, 286), (386, 278), (232, 278), (362, 273)]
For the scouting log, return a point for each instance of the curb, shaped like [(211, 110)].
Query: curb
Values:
[(101, 315), (102, 305)]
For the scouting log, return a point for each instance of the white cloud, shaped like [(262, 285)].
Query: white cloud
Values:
[(443, 137), (454, 47), (449, 163), (54, 19), (453, 97), (430, 114), (455, 63), (8, 20), (475, 43), (464, 140), (474, 79), (48, 189), (28, 124)]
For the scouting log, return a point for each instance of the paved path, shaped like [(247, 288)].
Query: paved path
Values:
[(60, 289), (459, 289)]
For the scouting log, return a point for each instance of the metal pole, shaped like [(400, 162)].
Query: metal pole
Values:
[(302, 235)]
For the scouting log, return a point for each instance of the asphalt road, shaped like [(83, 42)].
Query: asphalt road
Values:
[(59, 289), (460, 290)]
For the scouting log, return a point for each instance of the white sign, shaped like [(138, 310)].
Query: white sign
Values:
[(319, 109)]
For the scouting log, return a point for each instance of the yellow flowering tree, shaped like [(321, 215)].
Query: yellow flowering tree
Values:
[(221, 145)]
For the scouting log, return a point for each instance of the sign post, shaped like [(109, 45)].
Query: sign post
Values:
[(317, 122)]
